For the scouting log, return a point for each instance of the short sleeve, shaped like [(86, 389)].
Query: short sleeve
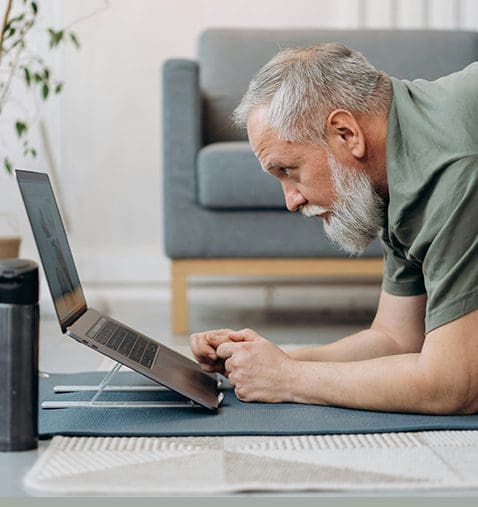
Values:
[(401, 277), (450, 265), (441, 256)]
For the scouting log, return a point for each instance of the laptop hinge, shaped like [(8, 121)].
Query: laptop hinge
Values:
[(71, 320)]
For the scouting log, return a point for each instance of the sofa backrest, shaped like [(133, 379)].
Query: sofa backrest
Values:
[(229, 58)]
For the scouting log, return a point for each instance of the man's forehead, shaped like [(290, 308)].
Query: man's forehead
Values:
[(257, 123), (260, 133)]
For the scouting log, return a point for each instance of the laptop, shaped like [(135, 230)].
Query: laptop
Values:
[(93, 328)]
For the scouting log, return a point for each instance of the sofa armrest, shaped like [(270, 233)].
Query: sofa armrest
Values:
[(182, 137)]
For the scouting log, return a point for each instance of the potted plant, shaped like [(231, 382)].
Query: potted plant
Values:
[(9, 237), (22, 69)]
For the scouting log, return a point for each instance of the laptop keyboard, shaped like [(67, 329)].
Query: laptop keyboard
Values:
[(125, 342)]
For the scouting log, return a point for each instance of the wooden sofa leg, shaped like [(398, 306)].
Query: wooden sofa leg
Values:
[(179, 299)]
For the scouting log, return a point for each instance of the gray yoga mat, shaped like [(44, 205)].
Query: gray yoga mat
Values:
[(233, 417)]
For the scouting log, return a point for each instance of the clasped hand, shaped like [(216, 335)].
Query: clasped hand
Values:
[(256, 368)]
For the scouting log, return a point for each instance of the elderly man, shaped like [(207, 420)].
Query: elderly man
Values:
[(369, 154)]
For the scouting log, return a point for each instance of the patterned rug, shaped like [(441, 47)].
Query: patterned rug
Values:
[(432, 461)]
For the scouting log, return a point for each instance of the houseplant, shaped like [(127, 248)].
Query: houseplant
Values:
[(9, 238), (23, 71)]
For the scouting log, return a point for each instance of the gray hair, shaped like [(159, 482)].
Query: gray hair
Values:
[(302, 86)]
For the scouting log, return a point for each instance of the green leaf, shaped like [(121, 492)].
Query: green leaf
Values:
[(14, 20), (34, 6), (27, 76), (55, 37), (9, 30), (52, 35), (21, 127), (33, 152), (9, 33), (75, 40), (37, 77), (8, 165), (58, 87), (45, 90), (20, 42)]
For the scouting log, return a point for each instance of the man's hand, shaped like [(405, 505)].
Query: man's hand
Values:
[(204, 345), (256, 368)]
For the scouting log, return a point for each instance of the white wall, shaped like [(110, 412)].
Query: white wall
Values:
[(113, 114), (105, 130), (27, 105)]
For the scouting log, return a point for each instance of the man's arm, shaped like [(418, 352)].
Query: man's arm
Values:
[(441, 379), (398, 328)]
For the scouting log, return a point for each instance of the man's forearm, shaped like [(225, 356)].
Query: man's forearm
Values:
[(393, 383), (366, 344)]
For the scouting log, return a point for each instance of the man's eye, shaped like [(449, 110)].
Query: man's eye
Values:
[(285, 171)]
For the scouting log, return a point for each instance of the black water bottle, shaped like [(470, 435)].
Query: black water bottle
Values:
[(18, 355)]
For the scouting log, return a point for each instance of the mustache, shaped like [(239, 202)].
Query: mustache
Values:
[(312, 210)]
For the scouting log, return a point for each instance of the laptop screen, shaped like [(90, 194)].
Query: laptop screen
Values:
[(52, 244)]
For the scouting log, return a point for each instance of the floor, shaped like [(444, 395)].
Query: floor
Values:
[(286, 314)]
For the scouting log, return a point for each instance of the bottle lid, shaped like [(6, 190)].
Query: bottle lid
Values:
[(18, 282)]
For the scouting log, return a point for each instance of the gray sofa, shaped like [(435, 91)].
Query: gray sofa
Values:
[(222, 214)]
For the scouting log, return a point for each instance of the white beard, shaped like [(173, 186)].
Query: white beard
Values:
[(356, 216)]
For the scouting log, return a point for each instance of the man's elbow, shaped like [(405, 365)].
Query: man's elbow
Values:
[(456, 402), (469, 400), (450, 395)]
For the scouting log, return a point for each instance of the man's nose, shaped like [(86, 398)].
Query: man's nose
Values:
[(293, 198)]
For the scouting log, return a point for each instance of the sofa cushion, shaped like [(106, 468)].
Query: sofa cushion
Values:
[(230, 176)]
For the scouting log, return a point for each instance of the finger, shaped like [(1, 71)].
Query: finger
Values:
[(197, 340), (209, 368), (213, 342), (201, 350), (237, 336), (219, 332), (228, 367), (208, 335), (225, 350), (203, 345), (217, 339), (217, 367), (245, 335)]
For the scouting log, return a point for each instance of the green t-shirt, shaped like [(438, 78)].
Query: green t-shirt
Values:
[(430, 237)]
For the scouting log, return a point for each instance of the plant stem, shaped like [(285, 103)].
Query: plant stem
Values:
[(106, 6), (4, 24), (14, 64), (11, 75)]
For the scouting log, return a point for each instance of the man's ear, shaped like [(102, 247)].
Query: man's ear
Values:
[(343, 132)]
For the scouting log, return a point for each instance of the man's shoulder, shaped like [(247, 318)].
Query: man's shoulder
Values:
[(462, 81), (431, 120), (469, 72)]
